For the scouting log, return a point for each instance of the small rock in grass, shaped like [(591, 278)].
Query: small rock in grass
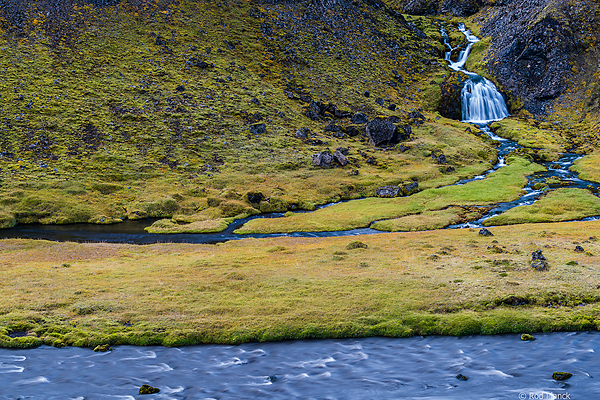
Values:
[(485, 232), (359, 118), (388, 191), (527, 336), (322, 159), (303, 133), (147, 389), (258, 129), (356, 244), (579, 249), (461, 377), (538, 261), (102, 348), (561, 376)]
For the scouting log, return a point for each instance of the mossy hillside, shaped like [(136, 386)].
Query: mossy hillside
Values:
[(503, 185), (557, 205), (123, 122), (437, 282)]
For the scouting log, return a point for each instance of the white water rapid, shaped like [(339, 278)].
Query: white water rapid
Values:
[(481, 101)]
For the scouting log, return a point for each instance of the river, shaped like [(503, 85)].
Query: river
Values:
[(497, 367)]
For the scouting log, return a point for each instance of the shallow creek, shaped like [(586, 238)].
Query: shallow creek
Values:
[(497, 367)]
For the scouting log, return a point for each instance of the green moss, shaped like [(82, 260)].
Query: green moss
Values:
[(557, 205), (503, 185)]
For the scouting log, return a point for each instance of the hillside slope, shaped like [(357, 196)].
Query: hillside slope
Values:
[(190, 110)]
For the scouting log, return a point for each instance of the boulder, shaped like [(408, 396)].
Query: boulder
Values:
[(147, 389), (303, 133), (359, 118), (258, 129), (404, 132), (381, 132), (538, 261), (561, 376), (313, 111), (410, 188), (527, 337), (579, 249), (255, 197), (388, 191), (332, 128), (485, 232), (322, 159), (340, 157), (353, 131)]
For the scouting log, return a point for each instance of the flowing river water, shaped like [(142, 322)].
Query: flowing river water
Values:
[(497, 367)]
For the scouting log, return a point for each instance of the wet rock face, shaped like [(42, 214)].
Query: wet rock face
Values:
[(450, 101), (531, 49)]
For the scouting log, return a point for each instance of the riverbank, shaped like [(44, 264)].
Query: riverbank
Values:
[(451, 282)]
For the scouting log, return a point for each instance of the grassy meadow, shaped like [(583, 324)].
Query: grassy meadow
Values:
[(437, 282)]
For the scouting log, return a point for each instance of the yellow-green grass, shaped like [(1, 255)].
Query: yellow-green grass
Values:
[(557, 205), (588, 167), (530, 133), (437, 282), (97, 131), (503, 185), (428, 220)]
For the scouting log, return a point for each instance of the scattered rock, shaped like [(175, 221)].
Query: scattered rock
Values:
[(195, 62), (303, 133), (538, 261), (367, 94), (527, 336), (332, 128), (340, 156), (416, 117), (495, 249), (356, 244), (359, 118), (561, 376), (258, 129), (388, 191), (461, 377), (410, 188), (352, 131), (322, 159), (404, 132), (485, 232), (579, 249), (180, 88), (255, 101), (380, 101), (147, 389), (312, 111), (102, 348), (392, 107), (255, 197), (381, 132)]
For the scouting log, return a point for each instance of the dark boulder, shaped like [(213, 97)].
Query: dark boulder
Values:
[(485, 232), (381, 132), (579, 249), (353, 131), (322, 159), (341, 113), (303, 133), (380, 101), (388, 191), (410, 188), (561, 376), (404, 132), (332, 128), (422, 7), (255, 197), (313, 111), (340, 156), (359, 118), (538, 261), (147, 389), (258, 129)]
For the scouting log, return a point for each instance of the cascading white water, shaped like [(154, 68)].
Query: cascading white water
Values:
[(481, 101)]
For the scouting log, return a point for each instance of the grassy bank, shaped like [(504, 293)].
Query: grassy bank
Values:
[(438, 282), (503, 185)]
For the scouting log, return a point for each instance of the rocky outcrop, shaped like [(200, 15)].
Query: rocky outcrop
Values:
[(381, 132), (532, 45)]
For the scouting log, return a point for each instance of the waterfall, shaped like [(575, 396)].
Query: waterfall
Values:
[(481, 101)]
